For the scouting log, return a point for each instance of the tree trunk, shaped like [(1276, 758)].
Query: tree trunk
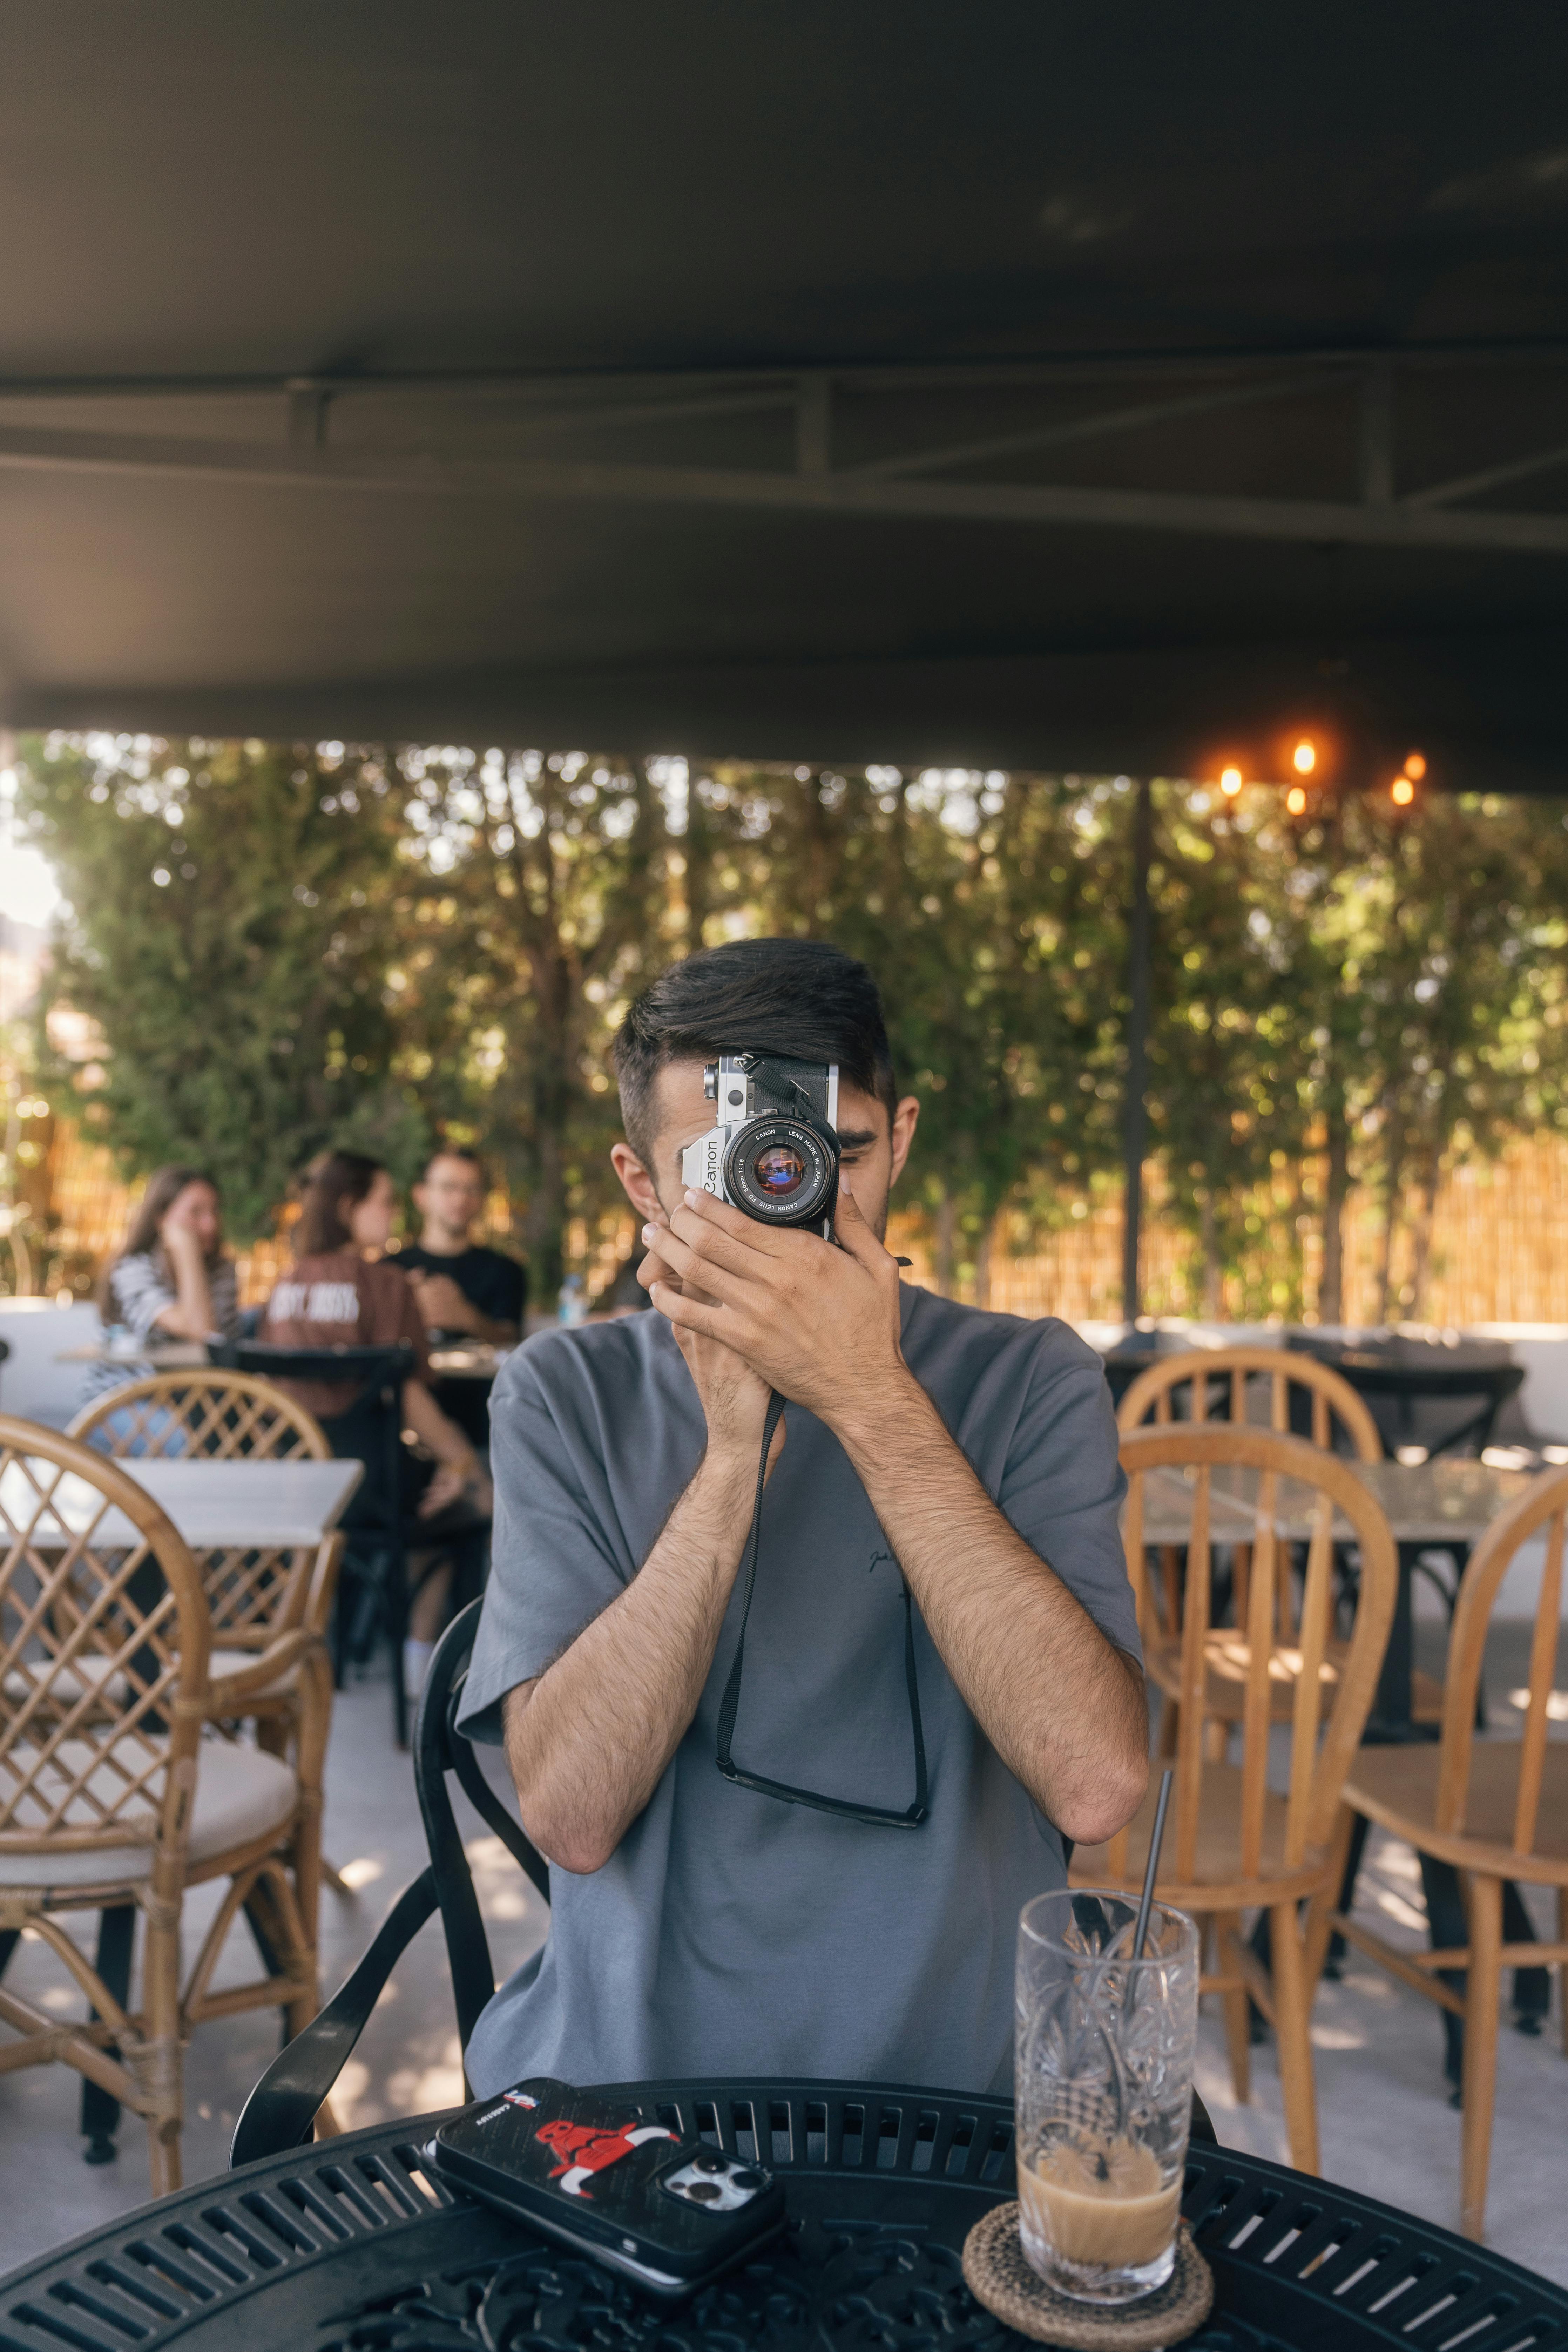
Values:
[(1390, 1231), (983, 1267), (944, 1252), (1332, 1287), (1213, 1284), (1421, 1250)]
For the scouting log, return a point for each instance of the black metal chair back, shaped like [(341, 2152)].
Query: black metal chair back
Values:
[(369, 1429), (281, 2109)]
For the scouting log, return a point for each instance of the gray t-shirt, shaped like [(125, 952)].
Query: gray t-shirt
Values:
[(730, 1933)]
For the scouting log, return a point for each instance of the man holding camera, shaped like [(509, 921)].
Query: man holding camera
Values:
[(796, 1753)]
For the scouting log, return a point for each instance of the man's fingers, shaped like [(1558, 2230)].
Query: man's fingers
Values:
[(698, 1269), (713, 1246), (687, 1314), (850, 1228), (721, 1218)]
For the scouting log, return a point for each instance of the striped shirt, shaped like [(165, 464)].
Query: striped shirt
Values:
[(139, 1289)]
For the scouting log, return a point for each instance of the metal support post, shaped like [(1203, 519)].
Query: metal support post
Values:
[(1135, 1112)]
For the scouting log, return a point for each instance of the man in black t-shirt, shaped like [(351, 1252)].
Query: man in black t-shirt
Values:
[(460, 1287)]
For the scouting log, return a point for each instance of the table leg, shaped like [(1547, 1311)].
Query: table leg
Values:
[(101, 2109), (1389, 1723)]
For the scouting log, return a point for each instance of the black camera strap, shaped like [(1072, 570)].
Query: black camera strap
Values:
[(877, 1816)]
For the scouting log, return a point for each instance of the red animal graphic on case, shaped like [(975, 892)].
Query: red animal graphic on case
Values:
[(586, 2148)]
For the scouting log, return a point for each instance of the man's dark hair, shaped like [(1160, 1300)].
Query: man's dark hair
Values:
[(450, 1152), (801, 998)]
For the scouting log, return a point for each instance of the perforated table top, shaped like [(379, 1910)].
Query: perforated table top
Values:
[(350, 2246)]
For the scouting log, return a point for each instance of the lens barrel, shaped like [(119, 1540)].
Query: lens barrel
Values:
[(783, 1171)]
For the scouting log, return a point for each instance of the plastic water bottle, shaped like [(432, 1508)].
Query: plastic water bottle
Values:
[(573, 1307)]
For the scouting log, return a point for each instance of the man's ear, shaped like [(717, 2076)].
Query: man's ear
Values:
[(635, 1182), (903, 1135)]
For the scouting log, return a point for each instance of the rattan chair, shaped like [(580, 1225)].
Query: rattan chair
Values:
[(1493, 1808), (1234, 1843), (254, 1596), (116, 1794)]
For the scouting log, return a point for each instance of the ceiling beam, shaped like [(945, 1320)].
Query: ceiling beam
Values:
[(1093, 428), (1320, 521), (888, 376)]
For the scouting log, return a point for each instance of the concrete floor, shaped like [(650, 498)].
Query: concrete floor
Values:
[(1387, 2127)]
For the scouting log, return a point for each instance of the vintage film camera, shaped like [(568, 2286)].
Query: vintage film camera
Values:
[(774, 1152)]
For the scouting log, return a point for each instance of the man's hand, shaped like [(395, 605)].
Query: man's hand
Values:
[(442, 1305), (819, 1324), (734, 1398), (1063, 1708)]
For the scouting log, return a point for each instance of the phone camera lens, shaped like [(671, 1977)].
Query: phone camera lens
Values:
[(704, 2191), (707, 2164), (745, 2180)]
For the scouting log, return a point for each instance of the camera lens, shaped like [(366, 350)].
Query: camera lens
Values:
[(745, 2180), (704, 2191), (779, 1171), (782, 1170)]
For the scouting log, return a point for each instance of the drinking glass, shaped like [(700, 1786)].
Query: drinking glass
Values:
[(1104, 2089)]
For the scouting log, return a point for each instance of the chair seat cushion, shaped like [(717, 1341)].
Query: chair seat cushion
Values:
[(64, 1685), (221, 1662), (1397, 1788), (241, 1795)]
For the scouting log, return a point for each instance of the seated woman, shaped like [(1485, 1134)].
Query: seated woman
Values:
[(171, 1281), (340, 1293)]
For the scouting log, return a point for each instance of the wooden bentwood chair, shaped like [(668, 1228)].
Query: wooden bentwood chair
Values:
[(1224, 1383), (1222, 1378), (1234, 1844), (254, 1596), (116, 1795), (1495, 1810)]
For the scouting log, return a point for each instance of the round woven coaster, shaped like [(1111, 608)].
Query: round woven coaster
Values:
[(998, 2275)]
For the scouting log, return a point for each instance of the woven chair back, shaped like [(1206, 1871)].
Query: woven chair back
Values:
[(219, 1416), (211, 1415), (1220, 1379), (1192, 1487), (103, 1657), (1541, 1512)]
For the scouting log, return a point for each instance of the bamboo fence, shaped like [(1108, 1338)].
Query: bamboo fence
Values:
[(1499, 1251)]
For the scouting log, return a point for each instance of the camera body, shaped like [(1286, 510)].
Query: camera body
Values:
[(773, 1151)]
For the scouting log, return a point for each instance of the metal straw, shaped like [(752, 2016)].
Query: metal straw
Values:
[(1144, 1908)]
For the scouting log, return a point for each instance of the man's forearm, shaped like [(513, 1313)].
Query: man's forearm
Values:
[(588, 1742), (1063, 1707)]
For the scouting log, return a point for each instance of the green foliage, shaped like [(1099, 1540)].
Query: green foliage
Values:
[(231, 913), (362, 945)]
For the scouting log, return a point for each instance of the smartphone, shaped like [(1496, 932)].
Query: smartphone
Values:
[(671, 2213)]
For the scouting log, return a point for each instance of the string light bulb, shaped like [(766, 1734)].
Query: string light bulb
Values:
[(1295, 800), (1304, 758), (1403, 791), (1230, 782), (1415, 766)]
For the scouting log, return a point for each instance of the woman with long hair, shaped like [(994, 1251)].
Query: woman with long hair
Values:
[(342, 1292), (171, 1281)]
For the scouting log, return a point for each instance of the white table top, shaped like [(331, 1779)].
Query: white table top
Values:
[(475, 1360), (266, 1505), (1431, 1502)]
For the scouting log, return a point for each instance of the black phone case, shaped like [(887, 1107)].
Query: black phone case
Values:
[(671, 2213)]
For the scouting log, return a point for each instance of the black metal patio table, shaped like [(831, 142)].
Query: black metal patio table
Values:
[(350, 2246)]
